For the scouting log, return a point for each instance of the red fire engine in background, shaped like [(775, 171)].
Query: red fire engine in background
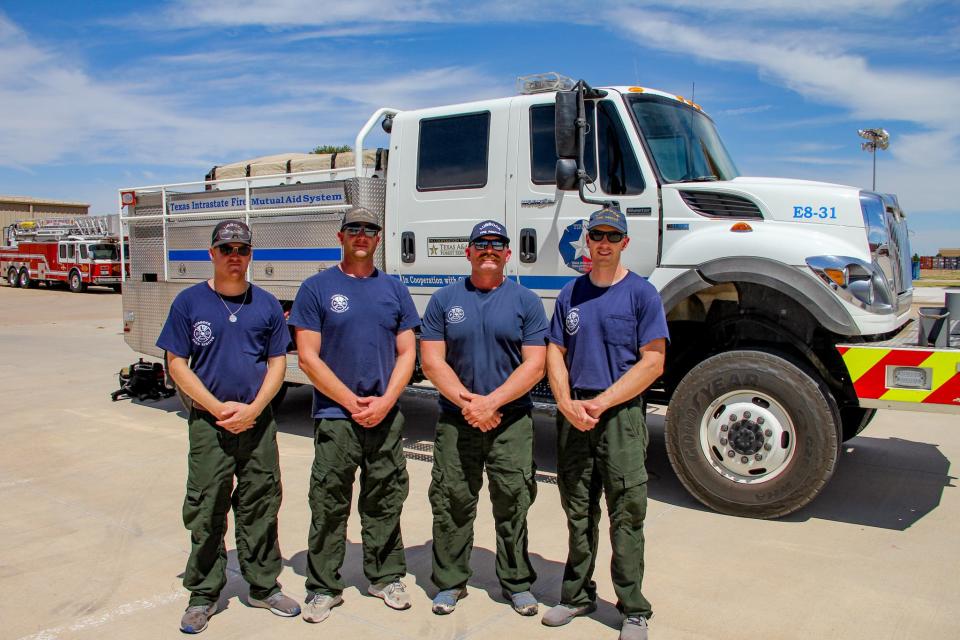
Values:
[(77, 252)]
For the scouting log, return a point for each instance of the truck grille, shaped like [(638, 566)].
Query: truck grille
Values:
[(720, 205)]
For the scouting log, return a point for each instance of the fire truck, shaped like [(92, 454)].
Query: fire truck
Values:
[(77, 252), (789, 302)]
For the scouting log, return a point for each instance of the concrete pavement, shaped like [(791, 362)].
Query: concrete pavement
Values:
[(91, 491)]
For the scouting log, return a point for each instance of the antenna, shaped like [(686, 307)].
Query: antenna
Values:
[(693, 91)]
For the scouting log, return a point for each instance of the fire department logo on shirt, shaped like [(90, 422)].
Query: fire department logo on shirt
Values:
[(202, 333), (456, 315), (572, 321), (339, 303)]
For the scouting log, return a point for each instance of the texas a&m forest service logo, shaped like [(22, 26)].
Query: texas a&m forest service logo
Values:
[(573, 247)]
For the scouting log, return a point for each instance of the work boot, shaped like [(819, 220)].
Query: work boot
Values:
[(523, 602), (446, 601), (278, 604), (318, 605), (634, 628), (195, 618), (394, 594), (564, 613)]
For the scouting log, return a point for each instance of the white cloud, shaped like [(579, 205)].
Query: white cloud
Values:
[(744, 111), (299, 13), (53, 110), (923, 162)]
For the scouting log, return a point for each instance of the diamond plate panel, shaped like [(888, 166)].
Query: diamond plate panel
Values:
[(370, 193), (148, 304)]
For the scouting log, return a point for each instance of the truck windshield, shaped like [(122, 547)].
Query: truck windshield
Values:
[(104, 252), (683, 141)]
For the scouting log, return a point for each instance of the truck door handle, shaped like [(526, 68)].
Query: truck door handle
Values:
[(528, 245), (408, 247)]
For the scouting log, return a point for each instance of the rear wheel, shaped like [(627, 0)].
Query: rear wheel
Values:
[(750, 433), (13, 279), (117, 288), (77, 285)]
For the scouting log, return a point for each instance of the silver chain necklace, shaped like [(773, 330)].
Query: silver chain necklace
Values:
[(233, 314)]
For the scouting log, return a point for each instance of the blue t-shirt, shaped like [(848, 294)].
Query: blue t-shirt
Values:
[(484, 333), (358, 320), (230, 358), (603, 328)]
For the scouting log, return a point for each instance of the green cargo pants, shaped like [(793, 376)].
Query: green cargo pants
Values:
[(215, 457), (610, 458), (459, 456), (340, 447)]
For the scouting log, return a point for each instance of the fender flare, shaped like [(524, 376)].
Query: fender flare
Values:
[(807, 292)]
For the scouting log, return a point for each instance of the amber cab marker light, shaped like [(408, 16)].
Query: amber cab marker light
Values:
[(838, 276), (741, 227)]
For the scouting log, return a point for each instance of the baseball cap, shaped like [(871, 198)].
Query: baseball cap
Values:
[(609, 217), (489, 228), (228, 231), (359, 215)]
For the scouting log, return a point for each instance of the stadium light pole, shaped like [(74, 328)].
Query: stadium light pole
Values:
[(875, 139)]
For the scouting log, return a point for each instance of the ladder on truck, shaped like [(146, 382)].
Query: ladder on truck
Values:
[(59, 228)]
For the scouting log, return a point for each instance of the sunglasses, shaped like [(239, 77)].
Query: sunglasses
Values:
[(227, 250), (496, 245), (613, 236), (354, 230)]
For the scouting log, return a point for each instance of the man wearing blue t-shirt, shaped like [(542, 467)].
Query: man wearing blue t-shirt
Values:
[(482, 346), (354, 330), (226, 343), (607, 343)]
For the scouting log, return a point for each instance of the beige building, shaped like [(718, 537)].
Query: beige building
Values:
[(949, 253), (14, 208)]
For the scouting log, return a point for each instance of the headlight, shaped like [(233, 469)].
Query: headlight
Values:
[(856, 281)]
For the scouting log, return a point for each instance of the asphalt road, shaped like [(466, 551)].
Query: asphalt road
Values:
[(93, 546)]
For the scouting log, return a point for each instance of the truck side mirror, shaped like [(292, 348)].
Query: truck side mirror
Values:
[(566, 174), (565, 124)]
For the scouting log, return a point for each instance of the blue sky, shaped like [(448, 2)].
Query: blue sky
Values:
[(95, 96)]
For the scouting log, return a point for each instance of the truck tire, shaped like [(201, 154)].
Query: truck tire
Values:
[(13, 279), (26, 282), (854, 420), (76, 283), (749, 433)]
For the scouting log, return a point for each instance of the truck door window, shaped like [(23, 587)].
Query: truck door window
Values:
[(619, 171), (543, 145), (83, 252), (71, 251), (453, 152), (63, 252)]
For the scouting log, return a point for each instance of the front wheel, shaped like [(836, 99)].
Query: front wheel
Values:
[(26, 282), (77, 285), (749, 433)]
